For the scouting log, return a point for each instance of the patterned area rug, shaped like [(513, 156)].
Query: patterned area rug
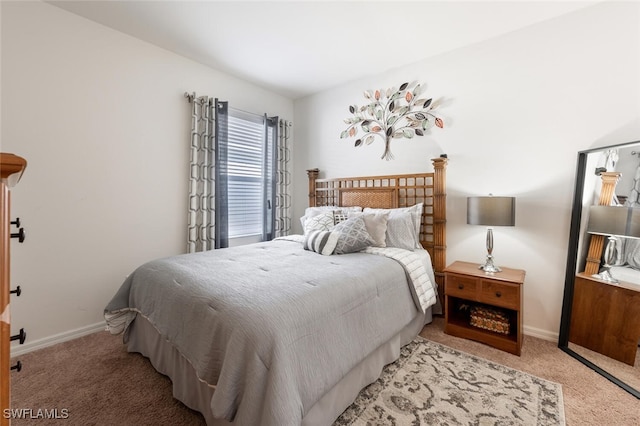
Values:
[(432, 384)]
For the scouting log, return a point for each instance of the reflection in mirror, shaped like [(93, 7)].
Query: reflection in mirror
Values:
[(600, 323)]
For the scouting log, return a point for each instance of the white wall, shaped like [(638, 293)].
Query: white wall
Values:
[(102, 121), (517, 109)]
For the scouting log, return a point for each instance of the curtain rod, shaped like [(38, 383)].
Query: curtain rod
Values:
[(191, 96)]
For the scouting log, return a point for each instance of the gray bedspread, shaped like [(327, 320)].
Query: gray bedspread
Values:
[(273, 327)]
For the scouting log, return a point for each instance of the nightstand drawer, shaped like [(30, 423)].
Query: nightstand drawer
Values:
[(500, 294), (461, 286)]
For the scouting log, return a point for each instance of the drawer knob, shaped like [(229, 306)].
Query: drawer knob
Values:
[(22, 336), (498, 294), (460, 287), (17, 367), (20, 235)]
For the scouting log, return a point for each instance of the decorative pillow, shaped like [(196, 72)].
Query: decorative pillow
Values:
[(353, 236), (376, 224), (401, 232), (321, 222), (323, 242)]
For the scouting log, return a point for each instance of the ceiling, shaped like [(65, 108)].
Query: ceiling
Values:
[(296, 48)]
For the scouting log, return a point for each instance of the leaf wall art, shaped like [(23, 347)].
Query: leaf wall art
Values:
[(391, 114)]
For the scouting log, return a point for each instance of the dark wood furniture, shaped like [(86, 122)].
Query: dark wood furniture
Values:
[(467, 286), (605, 317), (11, 169)]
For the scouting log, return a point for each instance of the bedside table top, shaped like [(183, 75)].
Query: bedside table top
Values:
[(469, 268), (619, 284)]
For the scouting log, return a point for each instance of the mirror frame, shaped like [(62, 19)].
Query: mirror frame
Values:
[(572, 261)]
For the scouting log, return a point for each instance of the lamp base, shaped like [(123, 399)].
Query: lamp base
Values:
[(610, 254), (488, 266)]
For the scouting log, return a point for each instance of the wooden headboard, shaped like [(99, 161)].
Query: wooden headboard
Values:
[(395, 191)]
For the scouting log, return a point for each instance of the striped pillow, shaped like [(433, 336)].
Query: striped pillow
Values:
[(323, 242)]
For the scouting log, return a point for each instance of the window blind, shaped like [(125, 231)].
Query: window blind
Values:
[(246, 170)]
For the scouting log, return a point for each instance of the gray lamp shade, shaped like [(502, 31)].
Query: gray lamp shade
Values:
[(614, 220), (491, 211)]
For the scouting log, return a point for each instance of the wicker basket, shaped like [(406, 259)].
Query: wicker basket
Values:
[(490, 319)]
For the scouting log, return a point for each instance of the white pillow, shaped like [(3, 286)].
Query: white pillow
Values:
[(314, 211), (415, 210), (376, 224), (401, 232), (323, 242), (416, 218)]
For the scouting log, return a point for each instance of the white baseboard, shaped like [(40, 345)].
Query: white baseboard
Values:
[(540, 334), (56, 338)]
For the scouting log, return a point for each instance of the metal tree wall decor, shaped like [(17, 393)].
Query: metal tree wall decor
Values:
[(391, 114)]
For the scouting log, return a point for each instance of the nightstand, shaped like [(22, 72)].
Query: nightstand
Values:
[(469, 293)]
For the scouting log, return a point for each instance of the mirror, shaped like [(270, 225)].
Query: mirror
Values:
[(600, 323)]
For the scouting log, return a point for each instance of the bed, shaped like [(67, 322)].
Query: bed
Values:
[(276, 334)]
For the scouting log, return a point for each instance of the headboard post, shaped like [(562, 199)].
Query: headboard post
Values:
[(439, 220), (313, 175)]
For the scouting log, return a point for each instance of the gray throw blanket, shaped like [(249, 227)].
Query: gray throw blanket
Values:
[(273, 327)]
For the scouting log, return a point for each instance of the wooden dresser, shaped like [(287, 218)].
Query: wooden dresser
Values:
[(11, 169)]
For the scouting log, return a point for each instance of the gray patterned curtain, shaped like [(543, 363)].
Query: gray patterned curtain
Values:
[(283, 192), (221, 202), (205, 210), (201, 216)]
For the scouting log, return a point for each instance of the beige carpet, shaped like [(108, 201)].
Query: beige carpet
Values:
[(629, 374), (99, 383)]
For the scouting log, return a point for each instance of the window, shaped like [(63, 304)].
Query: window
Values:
[(246, 147)]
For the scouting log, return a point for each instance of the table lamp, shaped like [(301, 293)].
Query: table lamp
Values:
[(491, 211)]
